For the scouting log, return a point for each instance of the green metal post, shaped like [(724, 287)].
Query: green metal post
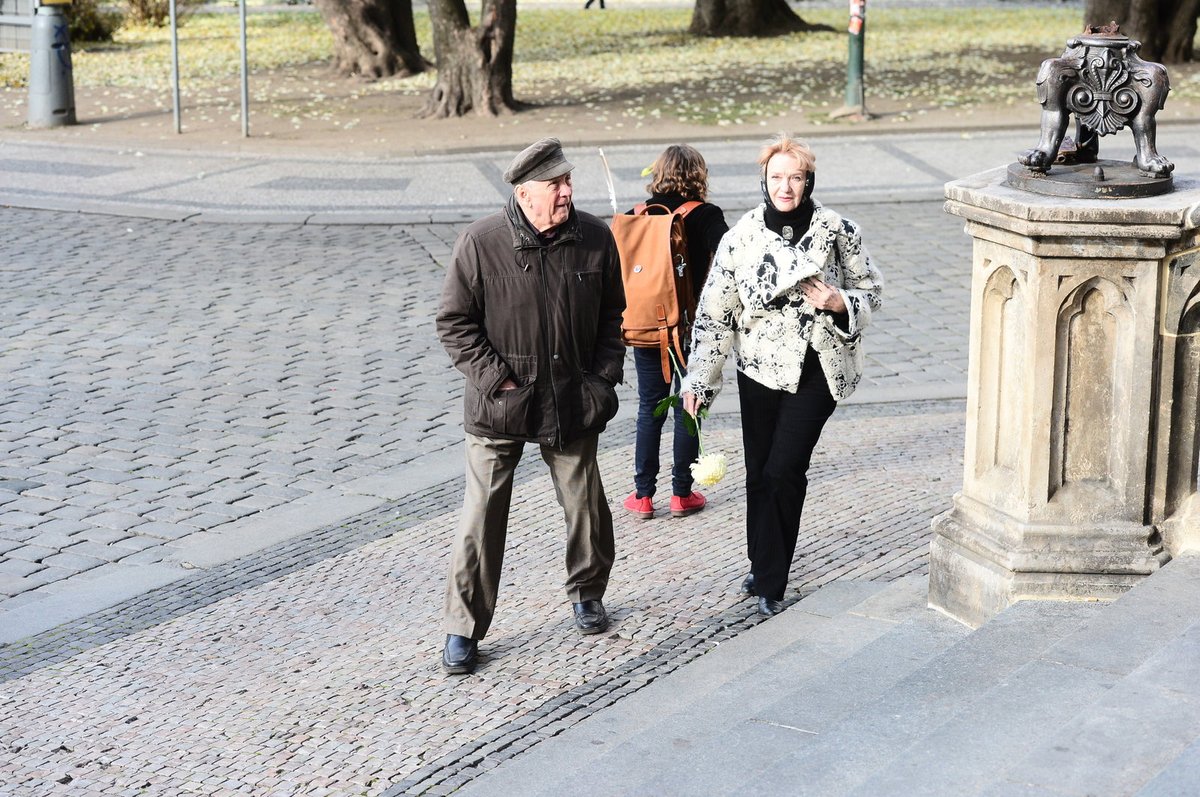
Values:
[(854, 67)]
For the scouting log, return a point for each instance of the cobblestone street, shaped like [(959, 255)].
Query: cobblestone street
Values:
[(168, 378), (279, 676), (168, 381), (231, 465)]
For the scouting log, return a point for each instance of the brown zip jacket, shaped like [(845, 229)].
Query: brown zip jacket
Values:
[(545, 314)]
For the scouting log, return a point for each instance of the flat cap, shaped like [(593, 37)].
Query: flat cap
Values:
[(541, 160)]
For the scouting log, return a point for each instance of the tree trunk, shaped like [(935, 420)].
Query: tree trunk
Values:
[(747, 18), (474, 65), (1166, 28), (373, 38), (1181, 32)]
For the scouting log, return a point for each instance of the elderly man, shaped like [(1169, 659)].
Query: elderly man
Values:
[(531, 314)]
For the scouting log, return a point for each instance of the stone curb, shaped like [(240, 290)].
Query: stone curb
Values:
[(115, 583)]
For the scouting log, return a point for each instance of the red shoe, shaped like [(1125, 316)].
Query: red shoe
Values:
[(641, 507), (682, 506)]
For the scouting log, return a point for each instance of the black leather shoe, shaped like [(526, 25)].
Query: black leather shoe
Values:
[(769, 607), (460, 654), (590, 617), (748, 585)]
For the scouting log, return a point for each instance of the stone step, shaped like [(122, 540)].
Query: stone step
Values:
[(846, 754), (1178, 778), (1019, 710), (721, 691), (1140, 735), (1101, 710), (863, 693)]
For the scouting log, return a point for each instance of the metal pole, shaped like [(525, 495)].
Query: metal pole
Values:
[(245, 74), (854, 67), (51, 80), (175, 66)]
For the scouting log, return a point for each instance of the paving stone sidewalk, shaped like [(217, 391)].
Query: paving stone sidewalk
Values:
[(169, 383), (309, 671), (230, 469), (173, 388)]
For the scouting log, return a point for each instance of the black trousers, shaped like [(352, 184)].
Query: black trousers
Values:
[(779, 432)]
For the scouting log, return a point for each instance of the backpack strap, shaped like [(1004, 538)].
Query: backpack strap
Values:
[(682, 212), (642, 209), (667, 341), (664, 343)]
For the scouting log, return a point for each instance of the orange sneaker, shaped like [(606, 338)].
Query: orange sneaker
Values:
[(641, 507), (684, 505)]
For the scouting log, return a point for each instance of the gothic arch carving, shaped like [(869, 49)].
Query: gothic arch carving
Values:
[(1002, 355), (1094, 330), (1184, 442)]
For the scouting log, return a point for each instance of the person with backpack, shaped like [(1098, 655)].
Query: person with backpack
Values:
[(790, 291), (678, 184)]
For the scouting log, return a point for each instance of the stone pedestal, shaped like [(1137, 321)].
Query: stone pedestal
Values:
[(1082, 435)]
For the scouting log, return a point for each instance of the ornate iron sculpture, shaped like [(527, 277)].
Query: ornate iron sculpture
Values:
[(1100, 79)]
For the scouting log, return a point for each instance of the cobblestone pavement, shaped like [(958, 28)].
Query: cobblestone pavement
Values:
[(313, 670), (168, 383), (163, 379), (251, 431), (166, 380)]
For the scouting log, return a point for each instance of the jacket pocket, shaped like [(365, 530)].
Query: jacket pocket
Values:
[(585, 289), (513, 412), (599, 402), (841, 357)]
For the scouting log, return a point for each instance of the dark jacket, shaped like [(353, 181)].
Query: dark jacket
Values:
[(545, 314)]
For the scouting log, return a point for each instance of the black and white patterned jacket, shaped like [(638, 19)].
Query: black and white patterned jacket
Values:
[(752, 302)]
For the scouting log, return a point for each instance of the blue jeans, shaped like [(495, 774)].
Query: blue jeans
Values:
[(651, 390)]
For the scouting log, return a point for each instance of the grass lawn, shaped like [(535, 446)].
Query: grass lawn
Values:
[(635, 65)]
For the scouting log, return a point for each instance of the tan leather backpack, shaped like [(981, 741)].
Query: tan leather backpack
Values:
[(660, 302)]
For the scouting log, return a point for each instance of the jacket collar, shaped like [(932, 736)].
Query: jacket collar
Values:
[(525, 237), (821, 230)]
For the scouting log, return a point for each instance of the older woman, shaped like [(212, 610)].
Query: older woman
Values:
[(790, 291)]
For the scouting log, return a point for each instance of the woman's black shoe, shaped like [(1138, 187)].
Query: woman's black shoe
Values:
[(748, 585), (769, 607)]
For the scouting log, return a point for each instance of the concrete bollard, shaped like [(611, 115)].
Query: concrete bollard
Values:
[(51, 82)]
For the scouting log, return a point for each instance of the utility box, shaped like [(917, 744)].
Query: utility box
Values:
[(51, 81)]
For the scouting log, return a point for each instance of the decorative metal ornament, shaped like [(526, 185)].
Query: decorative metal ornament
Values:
[(787, 232), (1101, 80), (1103, 100)]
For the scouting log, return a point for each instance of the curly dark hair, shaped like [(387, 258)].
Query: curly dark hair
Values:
[(680, 169)]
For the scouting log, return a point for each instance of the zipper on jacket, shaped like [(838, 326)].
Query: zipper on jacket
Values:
[(558, 431)]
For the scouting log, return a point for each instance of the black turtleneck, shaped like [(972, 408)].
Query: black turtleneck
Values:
[(795, 222)]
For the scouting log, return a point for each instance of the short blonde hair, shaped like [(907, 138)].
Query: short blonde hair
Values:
[(784, 143), (680, 169)]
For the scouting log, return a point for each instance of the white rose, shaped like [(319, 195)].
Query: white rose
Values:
[(709, 469)]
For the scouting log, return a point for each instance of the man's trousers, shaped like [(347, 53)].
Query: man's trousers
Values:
[(478, 554)]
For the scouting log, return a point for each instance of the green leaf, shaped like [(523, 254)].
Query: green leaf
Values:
[(689, 423), (661, 408)]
